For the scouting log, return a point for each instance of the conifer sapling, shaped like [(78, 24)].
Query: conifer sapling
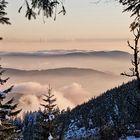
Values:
[(48, 115)]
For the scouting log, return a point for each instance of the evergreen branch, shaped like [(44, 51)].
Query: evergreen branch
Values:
[(8, 90)]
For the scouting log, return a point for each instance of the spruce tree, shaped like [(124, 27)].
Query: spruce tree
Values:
[(7, 112), (48, 116)]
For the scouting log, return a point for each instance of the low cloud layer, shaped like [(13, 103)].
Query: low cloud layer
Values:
[(29, 102), (75, 93), (32, 94)]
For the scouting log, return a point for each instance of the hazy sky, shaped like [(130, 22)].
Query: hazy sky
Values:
[(84, 20)]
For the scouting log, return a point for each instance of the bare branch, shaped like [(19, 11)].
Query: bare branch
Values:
[(128, 75), (130, 45)]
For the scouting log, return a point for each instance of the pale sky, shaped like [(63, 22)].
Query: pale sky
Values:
[(84, 20)]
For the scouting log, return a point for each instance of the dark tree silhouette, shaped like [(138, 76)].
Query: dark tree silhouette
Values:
[(133, 6), (3, 18), (7, 111), (48, 8), (136, 60)]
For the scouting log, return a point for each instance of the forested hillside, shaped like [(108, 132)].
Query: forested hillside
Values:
[(113, 114)]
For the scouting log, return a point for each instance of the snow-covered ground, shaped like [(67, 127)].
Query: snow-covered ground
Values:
[(132, 138), (78, 133)]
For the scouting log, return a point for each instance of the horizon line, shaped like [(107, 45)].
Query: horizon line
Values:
[(63, 40)]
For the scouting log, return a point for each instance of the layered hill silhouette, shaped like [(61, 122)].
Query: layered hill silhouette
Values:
[(69, 53), (66, 71)]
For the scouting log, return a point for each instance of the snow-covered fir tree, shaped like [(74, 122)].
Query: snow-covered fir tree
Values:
[(8, 110), (48, 115)]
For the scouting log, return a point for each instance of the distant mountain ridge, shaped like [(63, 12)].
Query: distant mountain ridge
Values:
[(68, 53), (57, 71)]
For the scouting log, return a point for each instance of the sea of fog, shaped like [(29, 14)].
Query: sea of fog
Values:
[(74, 75)]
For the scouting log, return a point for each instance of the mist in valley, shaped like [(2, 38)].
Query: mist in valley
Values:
[(75, 76)]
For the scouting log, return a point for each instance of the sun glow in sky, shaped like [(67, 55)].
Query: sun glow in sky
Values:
[(85, 21)]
